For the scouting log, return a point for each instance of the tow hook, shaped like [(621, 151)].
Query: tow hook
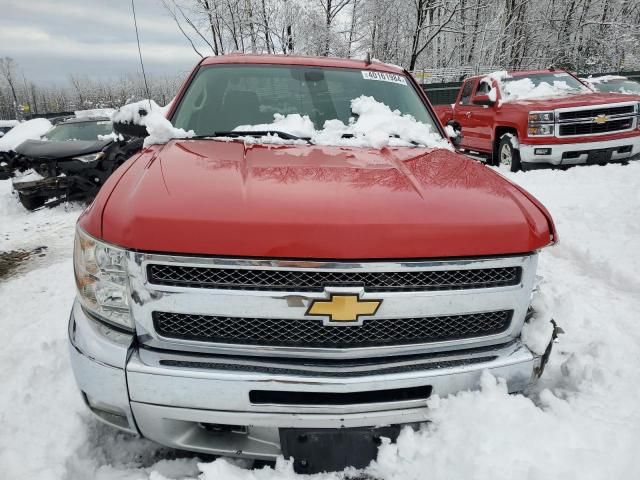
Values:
[(538, 371)]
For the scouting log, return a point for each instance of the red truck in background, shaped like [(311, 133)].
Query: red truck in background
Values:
[(533, 119)]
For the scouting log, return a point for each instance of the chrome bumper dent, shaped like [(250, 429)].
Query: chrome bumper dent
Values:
[(527, 152)]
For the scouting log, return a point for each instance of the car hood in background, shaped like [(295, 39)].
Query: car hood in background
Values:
[(54, 150)]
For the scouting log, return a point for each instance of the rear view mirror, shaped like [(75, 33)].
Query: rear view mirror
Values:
[(132, 129), (454, 132), (483, 100)]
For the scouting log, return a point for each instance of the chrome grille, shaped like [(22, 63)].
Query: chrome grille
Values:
[(594, 112), (314, 334), (316, 280), (593, 128)]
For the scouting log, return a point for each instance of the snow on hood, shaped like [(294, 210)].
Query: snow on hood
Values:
[(9, 123), (29, 130), (375, 125), (158, 126)]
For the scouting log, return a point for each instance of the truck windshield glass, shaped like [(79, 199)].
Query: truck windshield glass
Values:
[(79, 130), (221, 98), (618, 86), (572, 83)]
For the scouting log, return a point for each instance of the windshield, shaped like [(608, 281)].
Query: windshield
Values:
[(221, 98), (79, 130), (618, 86), (561, 80)]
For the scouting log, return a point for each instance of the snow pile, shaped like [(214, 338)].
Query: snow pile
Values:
[(158, 126), (113, 136), (375, 126), (95, 113), (525, 89), (538, 330), (580, 422), (28, 176), (29, 130), (9, 123)]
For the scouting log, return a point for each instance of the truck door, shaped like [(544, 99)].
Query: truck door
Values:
[(482, 116), (464, 112)]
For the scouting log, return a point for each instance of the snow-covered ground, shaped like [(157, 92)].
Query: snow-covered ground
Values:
[(582, 421)]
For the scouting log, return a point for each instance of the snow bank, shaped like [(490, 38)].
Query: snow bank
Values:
[(159, 128), (95, 112), (29, 130), (375, 126)]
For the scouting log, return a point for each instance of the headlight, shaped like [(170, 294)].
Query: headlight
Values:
[(92, 157), (101, 278), (540, 117), (540, 130)]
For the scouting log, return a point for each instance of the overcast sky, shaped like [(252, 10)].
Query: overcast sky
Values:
[(52, 38)]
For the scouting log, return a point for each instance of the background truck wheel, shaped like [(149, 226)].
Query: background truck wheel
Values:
[(31, 202), (508, 154)]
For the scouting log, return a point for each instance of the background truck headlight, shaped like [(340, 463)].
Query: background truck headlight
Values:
[(101, 278), (539, 117), (92, 157)]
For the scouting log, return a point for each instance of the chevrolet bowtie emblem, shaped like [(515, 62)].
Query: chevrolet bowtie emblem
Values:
[(343, 307), (600, 119)]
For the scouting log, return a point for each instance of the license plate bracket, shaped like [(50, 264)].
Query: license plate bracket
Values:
[(599, 156), (330, 449)]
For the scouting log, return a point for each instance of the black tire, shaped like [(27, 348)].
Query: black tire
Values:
[(31, 202), (507, 154)]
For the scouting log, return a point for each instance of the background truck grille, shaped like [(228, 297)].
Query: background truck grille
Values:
[(312, 333), (594, 112), (316, 280), (591, 128)]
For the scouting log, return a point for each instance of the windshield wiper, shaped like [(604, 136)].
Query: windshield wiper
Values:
[(254, 133), (415, 144)]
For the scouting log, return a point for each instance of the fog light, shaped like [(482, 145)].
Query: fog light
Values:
[(542, 151)]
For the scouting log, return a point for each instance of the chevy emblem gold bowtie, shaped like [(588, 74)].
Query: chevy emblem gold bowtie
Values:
[(343, 308)]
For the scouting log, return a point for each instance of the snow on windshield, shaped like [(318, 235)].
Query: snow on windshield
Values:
[(525, 88), (29, 130), (604, 78), (159, 128), (373, 125), (94, 113)]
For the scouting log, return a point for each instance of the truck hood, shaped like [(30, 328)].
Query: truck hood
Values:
[(54, 150), (303, 201), (582, 100)]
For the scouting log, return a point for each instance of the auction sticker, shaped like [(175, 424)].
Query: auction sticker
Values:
[(383, 77)]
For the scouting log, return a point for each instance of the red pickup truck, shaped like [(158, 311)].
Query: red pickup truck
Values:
[(253, 290), (543, 118)]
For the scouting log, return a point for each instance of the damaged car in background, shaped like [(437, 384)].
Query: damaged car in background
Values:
[(71, 162)]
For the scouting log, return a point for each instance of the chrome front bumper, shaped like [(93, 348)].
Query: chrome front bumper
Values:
[(528, 156), (167, 396)]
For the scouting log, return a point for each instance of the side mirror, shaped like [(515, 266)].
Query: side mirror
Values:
[(482, 100), (129, 129), (454, 131)]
